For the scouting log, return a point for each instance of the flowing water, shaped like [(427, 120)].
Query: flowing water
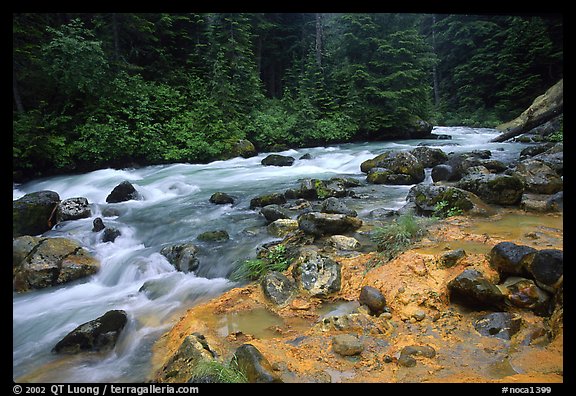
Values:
[(175, 208)]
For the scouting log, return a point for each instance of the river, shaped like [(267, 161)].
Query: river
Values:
[(175, 208)]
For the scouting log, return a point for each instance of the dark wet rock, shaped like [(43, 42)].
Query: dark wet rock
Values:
[(547, 268), (221, 198), (535, 150), (442, 172), (451, 258), (267, 199), (538, 177), (110, 234), (407, 354), (317, 274), (193, 351), (429, 157), (524, 293), (313, 189), (373, 299), (277, 160), (496, 189), (319, 224), (282, 227), (428, 197), (555, 203), (73, 209), (31, 214), (553, 157), (277, 287), (97, 335), (243, 148), (335, 206), (124, 191), (274, 212), (347, 345), (472, 290), (306, 156), (393, 167), (499, 324), (509, 258), (45, 262), (98, 225), (257, 369), (182, 256), (214, 236)]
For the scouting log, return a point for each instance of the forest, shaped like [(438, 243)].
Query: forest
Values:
[(94, 90)]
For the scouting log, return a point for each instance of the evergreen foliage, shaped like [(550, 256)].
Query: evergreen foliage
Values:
[(95, 90)]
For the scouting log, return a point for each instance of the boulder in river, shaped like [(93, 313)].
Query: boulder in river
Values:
[(221, 198), (124, 191), (274, 212), (44, 262), (335, 206), (313, 189), (73, 209), (278, 160), (429, 157), (496, 189), (98, 335), (267, 199), (319, 224), (31, 214), (182, 256), (393, 167), (430, 200)]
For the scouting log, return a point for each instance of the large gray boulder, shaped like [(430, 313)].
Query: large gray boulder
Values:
[(31, 214), (44, 262), (98, 335), (538, 177), (492, 188), (393, 167)]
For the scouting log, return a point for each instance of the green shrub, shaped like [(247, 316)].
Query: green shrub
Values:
[(254, 269), (395, 237), (214, 371)]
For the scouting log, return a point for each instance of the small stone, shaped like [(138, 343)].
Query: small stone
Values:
[(347, 345), (419, 315), (221, 198)]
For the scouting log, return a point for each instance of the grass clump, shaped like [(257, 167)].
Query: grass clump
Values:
[(444, 209), (254, 269), (395, 237), (216, 372)]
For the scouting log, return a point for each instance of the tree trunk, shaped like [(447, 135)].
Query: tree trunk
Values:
[(434, 69), (531, 123), (319, 39), (16, 93)]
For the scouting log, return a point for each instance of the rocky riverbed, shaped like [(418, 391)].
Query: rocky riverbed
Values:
[(421, 336)]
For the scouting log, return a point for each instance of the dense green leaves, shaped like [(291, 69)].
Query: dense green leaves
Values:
[(117, 89)]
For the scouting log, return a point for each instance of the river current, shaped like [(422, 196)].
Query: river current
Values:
[(175, 208)]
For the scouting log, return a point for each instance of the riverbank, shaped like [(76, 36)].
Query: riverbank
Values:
[(299, 339)]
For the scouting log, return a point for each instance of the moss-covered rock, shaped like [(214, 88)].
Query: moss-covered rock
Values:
[(391, 167), (31, 214), (497, 189)]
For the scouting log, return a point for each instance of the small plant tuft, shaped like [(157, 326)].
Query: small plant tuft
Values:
[(216, 372)]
